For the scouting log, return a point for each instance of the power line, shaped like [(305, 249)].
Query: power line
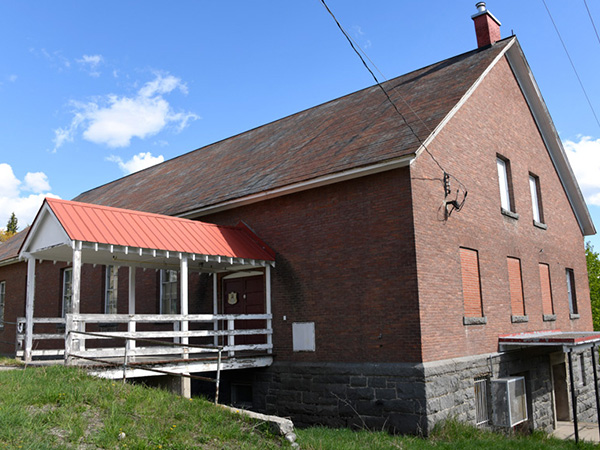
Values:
[(351, 42), (456, 205), (572, 64), (591, 20)]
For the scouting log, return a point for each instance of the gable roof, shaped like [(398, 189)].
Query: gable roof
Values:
[(346, 136), (60, 223), (9, 250)]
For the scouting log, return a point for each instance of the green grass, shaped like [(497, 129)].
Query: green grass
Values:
[(450, 435), (58, 407)]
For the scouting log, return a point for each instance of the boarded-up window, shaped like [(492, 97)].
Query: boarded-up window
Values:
[(469, 262), (547, 305), (515, 282)]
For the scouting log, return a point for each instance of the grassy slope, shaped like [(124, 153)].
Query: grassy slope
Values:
[(58, 407)]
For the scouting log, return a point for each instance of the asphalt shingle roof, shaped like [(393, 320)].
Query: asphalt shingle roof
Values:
[(350, 132)]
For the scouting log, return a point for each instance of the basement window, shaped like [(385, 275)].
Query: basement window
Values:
[(482, 415)]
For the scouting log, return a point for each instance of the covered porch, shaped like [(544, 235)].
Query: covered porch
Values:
[(574, 345), (171, 341)]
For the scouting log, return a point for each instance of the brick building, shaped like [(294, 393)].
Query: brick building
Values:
[(398, 299)]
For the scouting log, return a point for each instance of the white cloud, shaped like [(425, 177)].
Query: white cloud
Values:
[(137, 162), (13, 199), (584, 157), (91, 63), (115, 120), (36, 182), (360, 35), (12, 78)]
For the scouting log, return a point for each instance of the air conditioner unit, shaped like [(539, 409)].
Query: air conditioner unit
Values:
[(509, 401)]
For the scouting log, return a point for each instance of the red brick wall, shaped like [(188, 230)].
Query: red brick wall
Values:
[(345, 260), (14, 303), (495, 120)]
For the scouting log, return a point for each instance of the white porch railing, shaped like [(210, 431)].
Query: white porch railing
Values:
[(207, 332)]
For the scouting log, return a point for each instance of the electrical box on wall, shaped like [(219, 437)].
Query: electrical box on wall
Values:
[(509, 401), (303, 336)]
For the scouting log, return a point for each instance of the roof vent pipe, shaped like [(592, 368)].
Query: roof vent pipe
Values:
[(487, 27)]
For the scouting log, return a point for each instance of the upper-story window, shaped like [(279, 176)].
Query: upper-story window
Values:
[(507, 202), (111, 291), (67, 291), (168, 292), (536, 199), (571, 293)]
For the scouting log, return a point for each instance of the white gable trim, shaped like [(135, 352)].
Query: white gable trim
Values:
[(524, 76), (46, 232)]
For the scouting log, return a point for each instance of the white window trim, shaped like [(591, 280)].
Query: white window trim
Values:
[(571, 292), (66, 284), (503, 184), (535, 200), (111, 271), (163, 282)]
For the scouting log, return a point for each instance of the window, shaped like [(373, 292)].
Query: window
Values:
[(536, 199), (505, 183), (67, 291), (2, 297), (571, 294), (111, 291), (547, 304), (481, 400), (168, 292), (469, 262), (515, 282)]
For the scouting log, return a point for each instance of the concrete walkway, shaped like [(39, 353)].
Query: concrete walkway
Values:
[(587, 431)]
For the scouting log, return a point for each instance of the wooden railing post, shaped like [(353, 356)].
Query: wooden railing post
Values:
[(68, 338), (230, 336)]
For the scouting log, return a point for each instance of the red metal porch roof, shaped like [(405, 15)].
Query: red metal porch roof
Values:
[(551, 337), (114, 226)]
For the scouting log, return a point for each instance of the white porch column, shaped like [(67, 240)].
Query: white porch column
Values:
[(268, 305), (29, 308), (186, 382), (215, 306), (131, 325), (76, 282), (183, 285)]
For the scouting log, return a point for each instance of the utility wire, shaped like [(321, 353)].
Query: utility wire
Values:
[(572, 64), (351, 42), (455, 205), (591, 20)]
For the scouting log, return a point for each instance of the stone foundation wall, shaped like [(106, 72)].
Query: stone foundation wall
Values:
[(584, 385), (410, 398), (451, 394), (373, 396)]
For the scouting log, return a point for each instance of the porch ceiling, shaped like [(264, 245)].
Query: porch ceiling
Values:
[(124, 237)]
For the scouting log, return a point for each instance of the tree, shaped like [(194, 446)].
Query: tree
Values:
[(593, 266), (13, 224)]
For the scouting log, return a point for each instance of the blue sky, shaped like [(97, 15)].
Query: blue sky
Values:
[(90, 91)]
